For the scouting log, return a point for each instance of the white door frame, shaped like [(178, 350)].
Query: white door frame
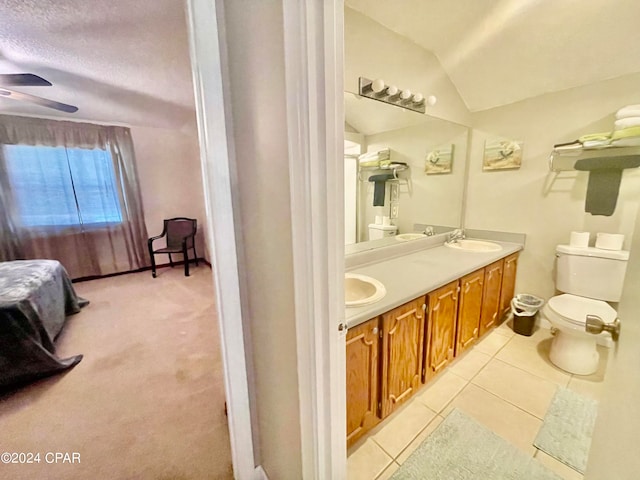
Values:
[(315, 124), (206, 42), (313, 36)]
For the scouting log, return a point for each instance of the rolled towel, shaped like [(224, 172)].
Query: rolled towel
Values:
[(626, 133), (626, 123), (373, 159), (626, 142), (595, 137), (628, 111), (596, 143), (369, 163), (570, 148)]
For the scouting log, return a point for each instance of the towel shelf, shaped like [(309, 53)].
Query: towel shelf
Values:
[(394, 169), (565, 161)]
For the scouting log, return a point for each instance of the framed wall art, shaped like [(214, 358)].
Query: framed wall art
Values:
[(502, 154), (439, 160)]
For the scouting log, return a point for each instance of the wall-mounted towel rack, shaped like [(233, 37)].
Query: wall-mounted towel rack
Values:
[(565, 161), (393, 169)]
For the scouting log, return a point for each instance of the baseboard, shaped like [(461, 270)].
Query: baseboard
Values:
[(142, 269), (260, 473)]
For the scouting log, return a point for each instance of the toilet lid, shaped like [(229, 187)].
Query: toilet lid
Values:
[(575, 309)]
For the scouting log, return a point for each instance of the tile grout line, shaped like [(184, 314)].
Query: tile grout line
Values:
[(385, 469), (535, 374), (494, 357), (509, 402), (395, 459), (532, 373), (467, 383)]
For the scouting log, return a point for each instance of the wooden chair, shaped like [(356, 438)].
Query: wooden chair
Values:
[(180, 235)]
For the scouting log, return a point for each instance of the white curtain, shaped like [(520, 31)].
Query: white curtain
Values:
[(74, 199)]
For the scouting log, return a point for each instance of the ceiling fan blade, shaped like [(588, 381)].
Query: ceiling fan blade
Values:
[(23, 80), (43, 102)]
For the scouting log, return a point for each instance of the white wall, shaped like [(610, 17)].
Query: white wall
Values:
[(614, 450), (374, 51), (170, 179), (255, 44), (517, 200), (429, 199)]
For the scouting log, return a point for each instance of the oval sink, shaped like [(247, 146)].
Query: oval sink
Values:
[(362, 290), (469, 245), (405, 237)]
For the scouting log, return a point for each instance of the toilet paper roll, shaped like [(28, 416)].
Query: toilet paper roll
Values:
[(609, 241), (386, 221), (378, 219), (579, 239)]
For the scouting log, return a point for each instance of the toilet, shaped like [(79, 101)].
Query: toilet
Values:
[(588, 278), (377, 231)]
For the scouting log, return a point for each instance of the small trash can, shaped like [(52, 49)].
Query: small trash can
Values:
[(525, 309)]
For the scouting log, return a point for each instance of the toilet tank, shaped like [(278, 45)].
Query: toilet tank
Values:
[(380, 231), (591, 272)]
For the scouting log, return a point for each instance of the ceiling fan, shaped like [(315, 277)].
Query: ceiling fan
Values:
[(30, 80)]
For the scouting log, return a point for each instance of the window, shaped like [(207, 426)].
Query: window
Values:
[(58, 186)]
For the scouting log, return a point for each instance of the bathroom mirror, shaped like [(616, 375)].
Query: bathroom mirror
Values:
[(426, 191)]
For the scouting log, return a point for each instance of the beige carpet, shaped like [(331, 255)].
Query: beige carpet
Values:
[(147, 400)]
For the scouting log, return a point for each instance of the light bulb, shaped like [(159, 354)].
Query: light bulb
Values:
[(392, 90), (431, 100), (418, 98), (405, 95), (377, 85)]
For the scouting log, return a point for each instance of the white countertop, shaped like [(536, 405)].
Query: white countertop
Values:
[(406, 278)]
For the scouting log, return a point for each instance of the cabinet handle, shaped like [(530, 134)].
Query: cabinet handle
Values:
[(375, 330)]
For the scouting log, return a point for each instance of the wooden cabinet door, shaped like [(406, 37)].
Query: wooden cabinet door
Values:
[(441, 321), (508, 283), (362, 379), (402, 342), (491, 296), (469, 309)]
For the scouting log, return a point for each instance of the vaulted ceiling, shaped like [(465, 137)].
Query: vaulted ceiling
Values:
[(125, 61), (498, 52)]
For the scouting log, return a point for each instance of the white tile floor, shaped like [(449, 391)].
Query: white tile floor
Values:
[(505, 382)]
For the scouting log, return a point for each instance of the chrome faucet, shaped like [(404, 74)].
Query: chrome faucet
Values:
[(429, 231), (456, 236)]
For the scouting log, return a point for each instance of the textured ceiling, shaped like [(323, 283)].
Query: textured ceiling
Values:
[(119, 61), (498, 52), (128, 61)]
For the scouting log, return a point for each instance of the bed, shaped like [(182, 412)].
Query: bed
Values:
[(36, 296)]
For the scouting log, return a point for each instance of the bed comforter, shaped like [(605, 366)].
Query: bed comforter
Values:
[(35, 298)]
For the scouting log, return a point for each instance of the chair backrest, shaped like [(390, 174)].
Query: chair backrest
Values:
[(179, 228)]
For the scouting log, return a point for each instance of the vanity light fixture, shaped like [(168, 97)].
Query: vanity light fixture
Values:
[(378, 90)]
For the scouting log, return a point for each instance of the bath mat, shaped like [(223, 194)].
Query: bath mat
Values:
[(567, 428), (462, 449)]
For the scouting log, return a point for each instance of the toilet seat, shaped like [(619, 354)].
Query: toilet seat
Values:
[(574, 309)]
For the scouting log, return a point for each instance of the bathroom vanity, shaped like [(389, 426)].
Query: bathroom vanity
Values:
[(439, 302)]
